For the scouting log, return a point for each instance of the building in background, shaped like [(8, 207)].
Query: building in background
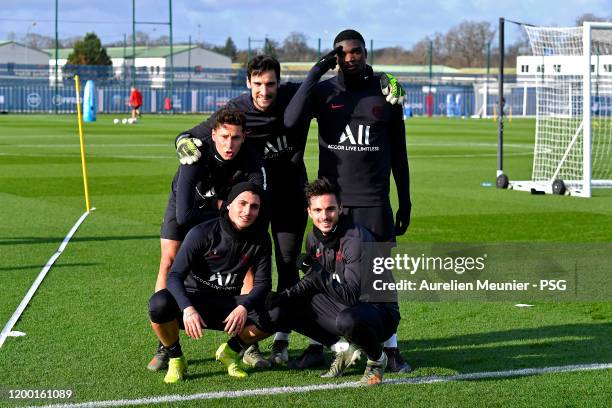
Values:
[(151, 65)]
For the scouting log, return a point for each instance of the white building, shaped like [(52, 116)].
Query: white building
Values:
[(152, 62), (530, 66), (12, 52)]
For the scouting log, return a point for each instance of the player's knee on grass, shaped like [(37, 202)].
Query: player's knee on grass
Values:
[(162, 307)]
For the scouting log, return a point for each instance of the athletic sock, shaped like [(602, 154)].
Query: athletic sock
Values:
[(391, 342), (340, 346), (281, 336), (236, 344), (174, 351)]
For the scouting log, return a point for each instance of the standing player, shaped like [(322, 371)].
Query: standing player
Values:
[(327, 303), (205, 280), (361, 141), (198, 191), (135, 102)]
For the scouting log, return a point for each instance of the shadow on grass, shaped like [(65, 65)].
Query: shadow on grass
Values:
[(48, 240), (512, 349)]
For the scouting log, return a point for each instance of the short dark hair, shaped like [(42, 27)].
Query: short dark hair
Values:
[(321, 187), (228, 116), (262, 63), (349, 35)]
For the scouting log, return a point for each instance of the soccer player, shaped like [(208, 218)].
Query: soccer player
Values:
[(203, 287), (283, 153), (198, 191), (135, 102), (361, 141), (325, 304)]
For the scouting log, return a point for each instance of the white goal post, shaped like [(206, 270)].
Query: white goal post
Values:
[(573, 140)]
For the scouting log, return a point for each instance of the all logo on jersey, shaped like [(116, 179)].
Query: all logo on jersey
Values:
[(348, 135), (277, 146), (351, 143), (221, 280)]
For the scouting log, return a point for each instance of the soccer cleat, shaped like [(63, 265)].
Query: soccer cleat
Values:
[(231, 360), (279, 354), (160, 359), (253, 357), (342, 361), (177, 367), (312, 356), (396, 363), (374, 372)]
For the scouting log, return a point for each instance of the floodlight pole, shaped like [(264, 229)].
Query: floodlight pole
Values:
[(189, 65), (500, 102), (133, 69), (249, 51), (56, 54), (371, 52), (171, 50)]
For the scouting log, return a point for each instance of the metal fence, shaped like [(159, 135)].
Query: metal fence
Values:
[(32, 88)]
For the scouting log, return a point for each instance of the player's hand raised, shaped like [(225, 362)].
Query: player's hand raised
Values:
[(187, 150), (392, 89), (194, 324), (329, 60)]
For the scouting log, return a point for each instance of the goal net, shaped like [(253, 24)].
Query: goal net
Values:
[(573, 140)]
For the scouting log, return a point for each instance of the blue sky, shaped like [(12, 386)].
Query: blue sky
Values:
[(391, 22)]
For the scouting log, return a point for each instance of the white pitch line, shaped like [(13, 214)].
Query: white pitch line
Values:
[(324, 387), (24, 302)]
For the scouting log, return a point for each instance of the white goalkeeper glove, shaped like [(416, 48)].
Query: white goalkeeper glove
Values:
[(187, 150), (392, 89)]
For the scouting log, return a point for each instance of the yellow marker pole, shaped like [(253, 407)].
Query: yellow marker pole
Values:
[(80, 120)]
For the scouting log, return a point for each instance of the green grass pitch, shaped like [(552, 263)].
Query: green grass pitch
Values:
[(87, 327)]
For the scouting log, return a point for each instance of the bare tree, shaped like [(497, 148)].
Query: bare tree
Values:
[(295, 48), (466, 43)]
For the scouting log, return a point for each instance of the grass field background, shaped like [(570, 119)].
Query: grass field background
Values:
[(87, 327)]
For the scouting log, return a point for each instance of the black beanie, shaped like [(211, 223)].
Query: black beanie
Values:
[(241, 187), (348, 35)]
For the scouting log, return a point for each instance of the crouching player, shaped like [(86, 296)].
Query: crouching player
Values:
[(327, 303), (203, 286), (198, 191)]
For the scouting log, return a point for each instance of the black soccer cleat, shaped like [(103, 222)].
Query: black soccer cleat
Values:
[(160, 359), (312, 356), (396, 363)]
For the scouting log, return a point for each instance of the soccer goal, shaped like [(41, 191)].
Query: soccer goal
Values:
[(573, 137)]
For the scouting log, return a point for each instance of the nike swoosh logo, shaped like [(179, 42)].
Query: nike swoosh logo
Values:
[(336, 106)]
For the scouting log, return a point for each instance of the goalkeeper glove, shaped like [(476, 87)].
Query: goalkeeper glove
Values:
[(392, 89), (329, 60), (187, 150)]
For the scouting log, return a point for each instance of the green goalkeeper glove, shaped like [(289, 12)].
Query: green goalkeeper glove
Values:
[(187, 150), (392, 89)]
